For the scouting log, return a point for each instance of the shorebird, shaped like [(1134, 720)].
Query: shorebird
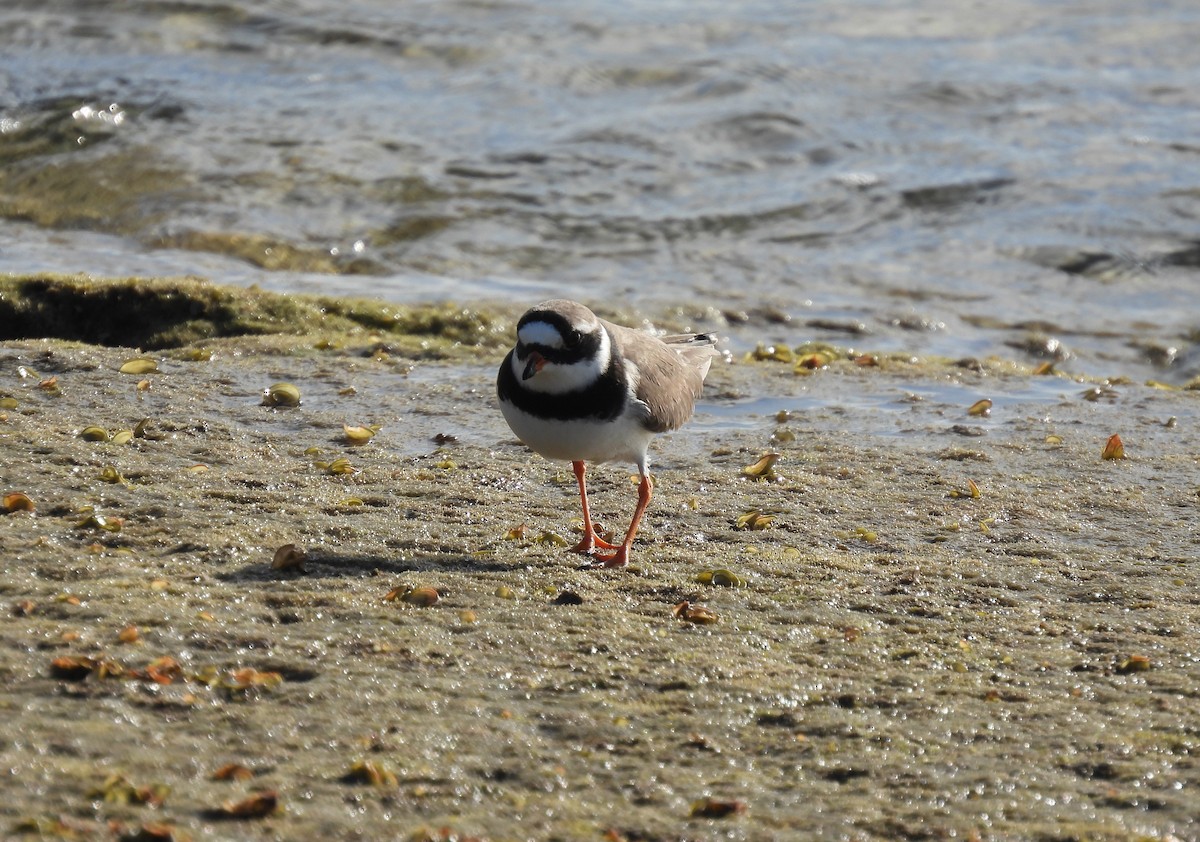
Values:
[(581, 389)]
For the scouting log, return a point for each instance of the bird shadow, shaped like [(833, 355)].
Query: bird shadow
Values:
[(339, 566)]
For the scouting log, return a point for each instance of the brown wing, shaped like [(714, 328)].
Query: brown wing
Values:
[(671, 372)]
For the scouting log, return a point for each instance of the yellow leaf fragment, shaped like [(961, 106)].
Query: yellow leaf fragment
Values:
[(753, 520), (139, 365), (763, 469), (1114, 448)]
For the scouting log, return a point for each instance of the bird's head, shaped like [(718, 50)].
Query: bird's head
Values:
[(561, 347)]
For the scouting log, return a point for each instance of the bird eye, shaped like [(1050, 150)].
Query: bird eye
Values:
[(571, 338)]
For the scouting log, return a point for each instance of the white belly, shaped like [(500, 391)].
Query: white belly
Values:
[(621, 439)]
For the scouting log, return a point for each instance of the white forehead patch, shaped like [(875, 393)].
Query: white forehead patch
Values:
[(540, 333)]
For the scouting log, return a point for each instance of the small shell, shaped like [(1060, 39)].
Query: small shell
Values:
[(281, 394), (980, 409), (697, 614), (721, 578), (423, 596), (372, 773), (94, 433), (17, 501), (109, 473), (1114, 449), (359, 435), (339, 467), (289, 557), (139, 365)]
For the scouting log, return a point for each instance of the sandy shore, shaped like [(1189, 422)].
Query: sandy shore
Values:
[(902, 660)]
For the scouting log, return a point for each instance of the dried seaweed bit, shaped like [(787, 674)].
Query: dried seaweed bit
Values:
[(445, 438), (713, 808), (720, 578), (372, 773), (1045, 367), (754, 520), (358, 435), (139, 365), (50, 386), (1134, 663), (233, 772), (129, 635), (771, 353), (1171, 423), (981, 408), (807, 363), (23, 608), (257, 806), (1114, 448), (17, 501), (289, 557), (95, 521), (552, 539), (94, 433), (697, 614), (281, 394), (970, 492), (338, 467), (248, 678), (164, 670), (568, 598), (517, 533), (79, 667), (117, 789), (866, 360), (763, 469)]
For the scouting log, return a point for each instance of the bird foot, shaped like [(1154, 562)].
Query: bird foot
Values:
[(618, 559), (592, 542)]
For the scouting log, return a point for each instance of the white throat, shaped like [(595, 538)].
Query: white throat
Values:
[(559, 379)]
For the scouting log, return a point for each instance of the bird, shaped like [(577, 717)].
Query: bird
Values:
[(578, 388)]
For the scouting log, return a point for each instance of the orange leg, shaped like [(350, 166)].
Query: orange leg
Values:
[(590, 539), (621, 557)]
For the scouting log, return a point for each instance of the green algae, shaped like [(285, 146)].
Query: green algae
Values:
[(178, 312)]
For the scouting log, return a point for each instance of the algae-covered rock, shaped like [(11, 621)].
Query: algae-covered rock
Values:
[(173, 312)]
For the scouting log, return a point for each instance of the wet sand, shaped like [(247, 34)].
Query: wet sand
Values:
[(903, 660)]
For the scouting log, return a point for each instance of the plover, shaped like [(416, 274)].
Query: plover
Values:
[(578, 388)]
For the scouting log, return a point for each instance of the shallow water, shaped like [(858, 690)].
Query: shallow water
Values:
[(1020, 181)]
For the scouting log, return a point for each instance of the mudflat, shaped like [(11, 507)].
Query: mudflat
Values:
[(917, 623)]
